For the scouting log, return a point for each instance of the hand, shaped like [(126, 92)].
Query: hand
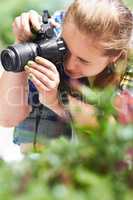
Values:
[(22, 25), (45, 77)]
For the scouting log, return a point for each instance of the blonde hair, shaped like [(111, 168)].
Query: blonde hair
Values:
[(109, 21)]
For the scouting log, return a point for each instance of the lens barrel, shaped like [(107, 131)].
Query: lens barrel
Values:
[(15, 57)]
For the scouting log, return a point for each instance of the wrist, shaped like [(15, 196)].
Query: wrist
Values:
[(48, 99), (61, 111), (56, 106)]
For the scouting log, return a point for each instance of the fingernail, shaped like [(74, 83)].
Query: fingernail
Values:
[(30, 76), (37, 27), (26, 67), (30, 63), (37, 58)]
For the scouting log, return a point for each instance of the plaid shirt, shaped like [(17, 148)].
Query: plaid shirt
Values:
[(127, 80)]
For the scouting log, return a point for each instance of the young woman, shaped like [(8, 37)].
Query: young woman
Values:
[(98, 35)]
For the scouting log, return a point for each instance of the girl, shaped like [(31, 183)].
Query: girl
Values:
[(98, 35)]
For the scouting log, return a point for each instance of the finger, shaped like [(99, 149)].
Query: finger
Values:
[(16, 22), (18, 29), (54, 23), (35, 20), (16, 25), (38, 84), (26, 25), (42, 69), (46, 63), (44, 79)]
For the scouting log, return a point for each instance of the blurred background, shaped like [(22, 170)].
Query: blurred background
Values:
[(9, 9)]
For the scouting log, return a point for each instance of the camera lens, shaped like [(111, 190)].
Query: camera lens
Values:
[(15, 57), (8, 59)]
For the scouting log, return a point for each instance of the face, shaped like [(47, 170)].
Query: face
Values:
[(85, 56)]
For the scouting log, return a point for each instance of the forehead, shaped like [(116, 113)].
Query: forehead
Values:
[(77, 41)]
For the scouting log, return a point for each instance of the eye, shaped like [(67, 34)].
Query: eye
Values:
[(83, 61)]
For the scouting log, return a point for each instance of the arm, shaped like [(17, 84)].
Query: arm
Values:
[(13, 86), (14, 98)]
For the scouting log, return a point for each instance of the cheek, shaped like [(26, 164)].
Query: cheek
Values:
[(93, 69)]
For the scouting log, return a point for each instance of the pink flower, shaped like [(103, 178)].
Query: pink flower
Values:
[(124, 107)]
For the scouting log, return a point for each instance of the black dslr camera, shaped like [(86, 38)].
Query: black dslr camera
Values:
[(46, 45)]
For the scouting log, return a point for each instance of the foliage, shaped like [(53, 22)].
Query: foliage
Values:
[(129, 3), (9, 9), (100, 164)]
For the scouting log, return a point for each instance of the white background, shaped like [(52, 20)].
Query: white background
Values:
[(8, 150)]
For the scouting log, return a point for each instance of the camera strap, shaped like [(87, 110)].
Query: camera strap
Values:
[(37, 120)]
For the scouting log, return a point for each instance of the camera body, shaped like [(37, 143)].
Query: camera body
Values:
[(45, 44)]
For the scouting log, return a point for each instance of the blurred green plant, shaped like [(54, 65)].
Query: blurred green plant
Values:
[(129, 3), (9, 9), (100, 165)]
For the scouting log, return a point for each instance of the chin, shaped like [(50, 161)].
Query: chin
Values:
[(75, 77)]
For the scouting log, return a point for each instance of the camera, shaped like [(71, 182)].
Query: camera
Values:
[(45, 44)]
